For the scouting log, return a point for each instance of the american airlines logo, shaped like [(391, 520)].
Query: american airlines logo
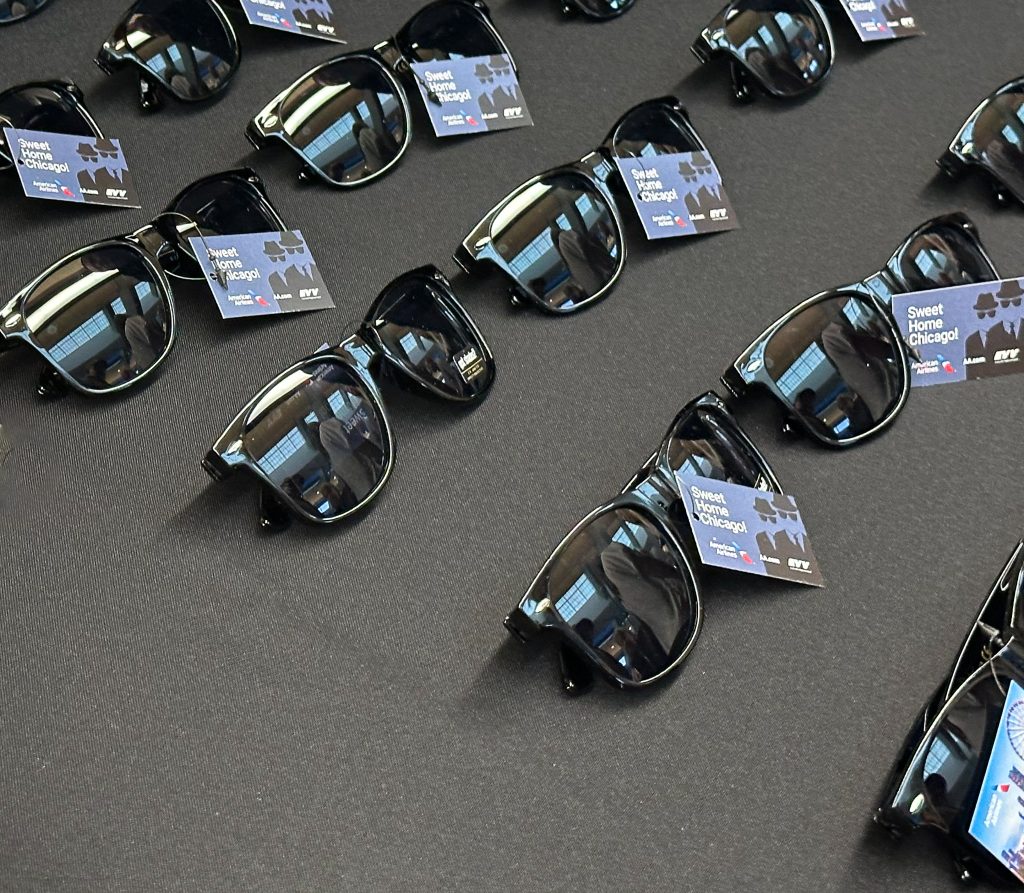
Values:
[(1008, 356)]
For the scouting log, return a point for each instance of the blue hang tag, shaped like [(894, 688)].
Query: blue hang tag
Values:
[(678, 194), (996, 822), (310, 18), (261, 274), (748, 530), (66, 168), (881, 19), (963, 333), (472, 95)]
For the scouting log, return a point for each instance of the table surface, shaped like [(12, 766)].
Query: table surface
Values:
[(187, 703)]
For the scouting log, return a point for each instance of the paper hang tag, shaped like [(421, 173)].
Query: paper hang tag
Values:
[(748, 530), (473, 95), (678, 194), (881, 19), (310, 18), (67, 168), (261, 274), (963, 333)]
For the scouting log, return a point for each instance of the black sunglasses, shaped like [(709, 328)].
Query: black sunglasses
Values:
[(16, 10), (318, 436), (349, 119), (936, 782), (185, 48), (51, 106), (990, 139), (103, 317), (620, 591), (837, 361), (559, 236), (598, 9), (784, 46)]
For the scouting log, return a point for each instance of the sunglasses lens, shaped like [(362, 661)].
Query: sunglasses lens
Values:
[(653, 130), (41, 108), (183, 43), (103, 317), (424, 335), (319, 437), (838, 365), (782, 42), (222, 206), (620, 586), (559, 240), (998, 138), (13, 10), (702, 444), (347, 119), (444, 31), (942, 257)]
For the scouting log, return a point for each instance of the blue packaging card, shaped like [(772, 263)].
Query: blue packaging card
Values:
[(881, 19), (749, 530), (998, 820), (261, 274), (679, 194), (312, 18), (67, 168), (963, 333), (472, 95)]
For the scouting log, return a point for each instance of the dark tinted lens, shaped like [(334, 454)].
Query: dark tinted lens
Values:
[(454, 30), (318, 435), (781, 42), (653, 130), (559, 239), (347, 119), (604, 9), (944, 256), (703, 444), (998, 139), (102, 317), (425, 336), (838, 365), (184, 43), (13, 10), (625, 593), (41, 108), (226, 206)]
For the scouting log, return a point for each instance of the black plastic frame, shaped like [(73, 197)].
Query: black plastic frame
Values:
[(363, 352), (14, 19), (578, 666), (397, 70)]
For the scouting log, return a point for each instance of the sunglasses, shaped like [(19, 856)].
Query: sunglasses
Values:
[(837, 362), (990, 139), (184, 48), (783, 46), (103, 318), (598, 9), (349, 119), (16, 10), (620, 592), (558, 237), (49, 106), (936, 781), (318, 436)]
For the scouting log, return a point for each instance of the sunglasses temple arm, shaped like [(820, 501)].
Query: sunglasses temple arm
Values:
[(577, 676)]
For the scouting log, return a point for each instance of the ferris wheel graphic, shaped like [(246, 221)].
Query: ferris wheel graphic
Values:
[(1015, 728)]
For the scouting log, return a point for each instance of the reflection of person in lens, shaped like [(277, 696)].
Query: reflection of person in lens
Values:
[(860, 355), (143, 343), (586, 258), (353, 456), (378, 146)]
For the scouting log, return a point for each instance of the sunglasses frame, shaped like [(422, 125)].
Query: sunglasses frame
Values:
[(713, 41), (15, 19), (748, 371), (576, 7), (960, 157), (363, 352), (396, 68), (65, 86), (113, 57), (1001, 656), (599, 170), (576, 660)]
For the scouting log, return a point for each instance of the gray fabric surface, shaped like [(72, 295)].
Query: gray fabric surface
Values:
[(187, 704)]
